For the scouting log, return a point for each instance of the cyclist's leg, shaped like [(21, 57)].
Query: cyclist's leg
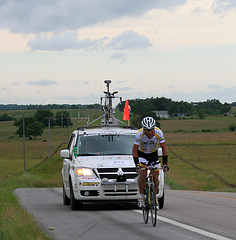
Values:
[(142, 175), (155, 179), (142, 182), (156, 176)]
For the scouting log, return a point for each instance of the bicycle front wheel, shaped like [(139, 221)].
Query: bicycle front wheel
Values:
[(145, 211), (153, 205)]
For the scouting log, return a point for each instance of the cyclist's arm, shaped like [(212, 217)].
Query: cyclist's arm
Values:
[(135, 150), (135, 153), (164, 156), (164, 149)]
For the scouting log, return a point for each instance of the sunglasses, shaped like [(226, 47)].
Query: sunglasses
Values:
[(149, 130)]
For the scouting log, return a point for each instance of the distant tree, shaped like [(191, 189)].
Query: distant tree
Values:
[(73, 106), (210, 106), (5, 117), (201, 114), (42, 116), (94, 106), (63, 119), (162, 103), (136, 121), (225, 108), (33, 128), (232, 127), (179, 108), (62, 106), (143, 106)]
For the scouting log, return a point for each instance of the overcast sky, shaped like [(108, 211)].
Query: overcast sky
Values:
[(62, 51)]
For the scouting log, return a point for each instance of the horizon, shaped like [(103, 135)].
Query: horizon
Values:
[(59, 104)]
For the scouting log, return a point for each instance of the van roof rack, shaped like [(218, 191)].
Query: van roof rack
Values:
[(107, 126)]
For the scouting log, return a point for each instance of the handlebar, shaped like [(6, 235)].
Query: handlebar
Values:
[(150, 167)]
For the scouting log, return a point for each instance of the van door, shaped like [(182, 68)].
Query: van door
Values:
[(67, 162)]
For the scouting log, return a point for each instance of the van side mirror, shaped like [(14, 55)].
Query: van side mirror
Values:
[(65, 153)]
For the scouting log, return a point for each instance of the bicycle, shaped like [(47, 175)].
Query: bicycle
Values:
[(150, 203)]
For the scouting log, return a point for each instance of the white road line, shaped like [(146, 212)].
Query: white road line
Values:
[(190, 228)]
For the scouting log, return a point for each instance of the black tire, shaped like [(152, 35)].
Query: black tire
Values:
[(74, 203), (66, 200), (161, 201), (153, 205), (145, 211)]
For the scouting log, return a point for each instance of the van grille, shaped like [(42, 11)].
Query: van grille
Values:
[(114, 190), (111, 173), (128, 192)]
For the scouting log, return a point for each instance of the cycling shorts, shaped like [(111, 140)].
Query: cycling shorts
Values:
[(148, 158)]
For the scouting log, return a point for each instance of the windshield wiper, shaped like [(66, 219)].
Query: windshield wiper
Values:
[(118, 154), (86, 154)]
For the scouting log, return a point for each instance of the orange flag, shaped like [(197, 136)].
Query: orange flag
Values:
[(126, 110)]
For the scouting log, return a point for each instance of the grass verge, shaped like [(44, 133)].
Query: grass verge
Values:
[(15, 223)]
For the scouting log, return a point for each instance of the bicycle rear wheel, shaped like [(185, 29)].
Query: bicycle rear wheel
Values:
[(145, 211), (153, 205)]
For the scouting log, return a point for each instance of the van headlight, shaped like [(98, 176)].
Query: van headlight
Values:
[(84, 172)]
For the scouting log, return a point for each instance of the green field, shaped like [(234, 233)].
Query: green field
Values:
[(12, 154), (206, 143), (202, 154)]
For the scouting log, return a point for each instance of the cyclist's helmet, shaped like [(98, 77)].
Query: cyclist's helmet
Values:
[(148, 123)]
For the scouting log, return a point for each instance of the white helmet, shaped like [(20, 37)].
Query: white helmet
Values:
[(148, 123)]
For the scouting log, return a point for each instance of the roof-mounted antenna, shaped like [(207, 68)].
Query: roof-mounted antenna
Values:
[(108, 117), (107, 107)]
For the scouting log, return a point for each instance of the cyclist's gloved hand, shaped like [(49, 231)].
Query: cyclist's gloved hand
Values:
[(165, 168), (137, 168)]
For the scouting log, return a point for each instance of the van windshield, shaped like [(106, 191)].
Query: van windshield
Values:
[(105, 145)]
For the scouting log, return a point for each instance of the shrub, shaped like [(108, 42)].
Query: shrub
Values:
[(232, 127), (5, 117)]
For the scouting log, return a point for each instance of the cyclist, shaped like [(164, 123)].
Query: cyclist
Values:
[(145, 152)]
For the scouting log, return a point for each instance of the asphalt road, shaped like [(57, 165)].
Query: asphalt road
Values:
[(186, 215)]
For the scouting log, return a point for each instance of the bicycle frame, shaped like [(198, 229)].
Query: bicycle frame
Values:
[(161, 177), (149, 178), (150, 196)]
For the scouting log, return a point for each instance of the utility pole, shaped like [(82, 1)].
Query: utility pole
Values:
[(23, 122), (48, 138), (61, 114), (68, 127), (49, 126), (61, 127)]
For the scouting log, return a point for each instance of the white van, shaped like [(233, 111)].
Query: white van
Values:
[(98, 165)]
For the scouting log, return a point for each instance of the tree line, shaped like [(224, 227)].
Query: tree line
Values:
[(139, 108), (175, 108), (145, 107), (155, 104), (48, 106), (34, 125)]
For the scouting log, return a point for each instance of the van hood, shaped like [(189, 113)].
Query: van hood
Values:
[(117, 161)]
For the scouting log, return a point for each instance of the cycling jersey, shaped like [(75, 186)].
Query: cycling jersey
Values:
[(149, 145), (147, 150)]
